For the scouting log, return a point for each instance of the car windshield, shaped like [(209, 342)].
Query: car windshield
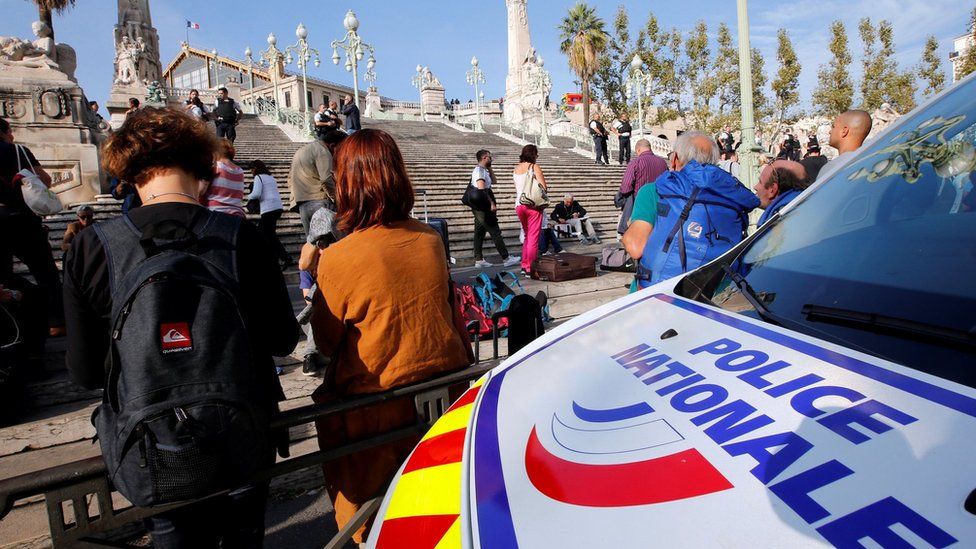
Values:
[(882, 256)]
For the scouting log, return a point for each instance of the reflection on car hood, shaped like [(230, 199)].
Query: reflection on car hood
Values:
[(731, 432)]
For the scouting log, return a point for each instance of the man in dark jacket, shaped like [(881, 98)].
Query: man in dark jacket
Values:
[(572, 213), (814, 160), (351, 111)]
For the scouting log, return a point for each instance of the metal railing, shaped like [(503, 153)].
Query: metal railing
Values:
[(209, 97), (85, 481), (299, 121)]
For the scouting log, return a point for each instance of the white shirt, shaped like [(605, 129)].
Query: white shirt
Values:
[(481, 172), (265, 189)]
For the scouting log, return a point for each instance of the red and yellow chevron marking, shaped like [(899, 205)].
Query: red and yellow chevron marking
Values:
[(425, 509)]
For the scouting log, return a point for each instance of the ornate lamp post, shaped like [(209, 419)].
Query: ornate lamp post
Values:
[(250, 71), (304, 54), (638, 86), (748, 171), (420, 81), (474, 77), (540, 81), (370, 76), (272, 58), (354, 47)]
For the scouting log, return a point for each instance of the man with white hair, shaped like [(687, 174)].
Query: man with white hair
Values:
[(572, 213), (702, 212)]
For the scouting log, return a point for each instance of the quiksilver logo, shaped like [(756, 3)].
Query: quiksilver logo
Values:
[(175, 337)]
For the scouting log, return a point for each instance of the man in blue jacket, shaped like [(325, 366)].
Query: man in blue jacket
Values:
[(779, 183), (702, 212)]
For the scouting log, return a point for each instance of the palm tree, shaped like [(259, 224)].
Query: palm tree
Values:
[(583, 41), (46, 8)]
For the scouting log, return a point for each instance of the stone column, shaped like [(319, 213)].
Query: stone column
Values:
[(136, 57), (373, 104), (432, 96), (519, 50)]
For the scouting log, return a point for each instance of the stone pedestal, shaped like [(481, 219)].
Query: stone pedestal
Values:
[(373, 104), (432, 96), (49, 114)]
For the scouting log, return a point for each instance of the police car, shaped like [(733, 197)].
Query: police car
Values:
[(812, 387)]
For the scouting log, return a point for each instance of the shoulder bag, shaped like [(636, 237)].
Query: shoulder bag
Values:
[(40, 199), (254, 205), (533, 194)]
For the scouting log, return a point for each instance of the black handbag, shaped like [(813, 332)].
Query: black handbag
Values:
[(477, 199)]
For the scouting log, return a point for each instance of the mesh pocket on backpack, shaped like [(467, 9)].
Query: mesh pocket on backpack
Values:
[(183, 472)]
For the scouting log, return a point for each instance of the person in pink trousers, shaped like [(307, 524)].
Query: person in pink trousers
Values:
[(531, 218)]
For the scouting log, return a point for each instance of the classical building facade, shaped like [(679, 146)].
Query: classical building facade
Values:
[(960, 47)]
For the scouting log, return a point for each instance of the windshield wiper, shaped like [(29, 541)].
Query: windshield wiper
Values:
[(883, 323), (752, 297)]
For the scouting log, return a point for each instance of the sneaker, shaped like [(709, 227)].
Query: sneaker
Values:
[(482, 264), (548, 252), (311, 366), (512, 260), (525, 273)]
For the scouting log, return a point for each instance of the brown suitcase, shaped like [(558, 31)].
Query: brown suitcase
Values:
[(564, 266)]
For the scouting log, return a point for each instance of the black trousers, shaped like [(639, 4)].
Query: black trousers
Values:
[(269, 228), (624, 156), (33, 249), (226, 129), (487, 222), (600, 144)]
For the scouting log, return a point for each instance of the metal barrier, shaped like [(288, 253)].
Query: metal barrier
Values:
[(77, 481)]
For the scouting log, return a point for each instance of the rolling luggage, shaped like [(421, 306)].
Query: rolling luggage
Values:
[(564, 266), (439, 224)]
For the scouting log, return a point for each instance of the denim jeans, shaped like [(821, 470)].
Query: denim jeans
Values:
[(235, 520)]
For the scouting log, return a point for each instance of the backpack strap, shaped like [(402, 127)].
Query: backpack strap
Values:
[(678, 229)]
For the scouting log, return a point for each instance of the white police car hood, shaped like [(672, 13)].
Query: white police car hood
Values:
[(658, 421)]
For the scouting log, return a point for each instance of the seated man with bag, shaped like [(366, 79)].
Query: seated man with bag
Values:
[(572, 213)]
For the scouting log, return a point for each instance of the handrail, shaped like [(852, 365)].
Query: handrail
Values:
[(88, 476), (284, 116)]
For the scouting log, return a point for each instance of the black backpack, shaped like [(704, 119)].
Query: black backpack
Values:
[(182, 417)]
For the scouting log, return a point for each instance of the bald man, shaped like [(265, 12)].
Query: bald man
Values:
[(849, 131)]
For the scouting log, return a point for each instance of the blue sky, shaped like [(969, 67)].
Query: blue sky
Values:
[(444, 34)]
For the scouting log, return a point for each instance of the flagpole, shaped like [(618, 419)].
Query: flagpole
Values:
[(187, 34)]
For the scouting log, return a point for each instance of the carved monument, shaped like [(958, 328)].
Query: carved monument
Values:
[(136, 57), (522, 103), (49, 112)]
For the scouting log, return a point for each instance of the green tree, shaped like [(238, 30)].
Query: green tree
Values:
[(46, 9), (835, 91), (786, 85), (725, 71), (583, 40), (696, 71), (609, 80), (898, 87), (872, 67), (968, 65), (930, 68), (761, 107)]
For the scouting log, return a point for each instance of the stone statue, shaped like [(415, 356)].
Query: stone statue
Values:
[(42, 53), (133, 18), (531, 58), (127, 58)]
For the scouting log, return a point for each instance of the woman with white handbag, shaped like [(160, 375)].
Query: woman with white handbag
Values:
[(530, 200), (23, 191)]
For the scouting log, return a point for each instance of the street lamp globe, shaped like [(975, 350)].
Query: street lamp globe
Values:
[(247, 51), (636, 62), (371, 63), (474, 61), (351, 22), (317, 62), (335, 57), (348, 66), (271, 39), (288, 59), (301, 32), (359, 52), (213, 52)]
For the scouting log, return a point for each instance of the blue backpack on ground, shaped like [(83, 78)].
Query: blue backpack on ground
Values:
[(702, 213), (182, 415)]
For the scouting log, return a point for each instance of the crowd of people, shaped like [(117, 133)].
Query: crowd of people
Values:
[(350, 187)]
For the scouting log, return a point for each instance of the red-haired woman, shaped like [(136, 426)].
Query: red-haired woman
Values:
[(382, 312)]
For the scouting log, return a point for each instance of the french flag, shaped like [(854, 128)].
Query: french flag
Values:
[(192, 25)]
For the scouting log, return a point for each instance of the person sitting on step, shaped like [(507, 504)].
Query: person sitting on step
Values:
[(572, 213)]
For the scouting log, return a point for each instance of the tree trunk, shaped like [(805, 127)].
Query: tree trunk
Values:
[(44, 14), (586, 101)]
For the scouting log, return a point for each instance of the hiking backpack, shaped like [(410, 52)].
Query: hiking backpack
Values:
[(182, 416)]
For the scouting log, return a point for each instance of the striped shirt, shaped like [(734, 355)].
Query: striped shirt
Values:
[(226, 192)]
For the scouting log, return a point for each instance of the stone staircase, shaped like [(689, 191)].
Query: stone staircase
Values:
[(439, 160)]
